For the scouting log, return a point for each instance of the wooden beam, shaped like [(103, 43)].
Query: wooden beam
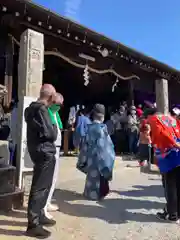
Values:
[(8, 78)]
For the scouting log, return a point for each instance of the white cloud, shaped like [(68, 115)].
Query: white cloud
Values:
[(72, 8)]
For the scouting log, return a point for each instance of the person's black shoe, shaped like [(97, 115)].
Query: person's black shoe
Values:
[(164, 216), (47, 221), (38, 232)]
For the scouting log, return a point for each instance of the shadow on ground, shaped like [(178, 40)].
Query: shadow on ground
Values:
[(15, 233), (114, 211), (17, 213), (7, 223), (143, 191)]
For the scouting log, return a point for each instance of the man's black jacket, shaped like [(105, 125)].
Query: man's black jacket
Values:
[(41, 133)]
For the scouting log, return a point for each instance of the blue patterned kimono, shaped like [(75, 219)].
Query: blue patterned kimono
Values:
[(96, 159)]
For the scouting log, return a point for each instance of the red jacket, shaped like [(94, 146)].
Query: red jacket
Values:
[(165, 130), (139, 112)]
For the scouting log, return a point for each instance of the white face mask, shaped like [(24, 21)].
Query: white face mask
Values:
[(102, 120), (133, 112)]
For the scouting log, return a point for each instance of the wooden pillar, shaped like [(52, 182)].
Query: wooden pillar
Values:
[(30, 77), (131, 93), (66, 142), (8, 80), (31, 63), (162, 96)]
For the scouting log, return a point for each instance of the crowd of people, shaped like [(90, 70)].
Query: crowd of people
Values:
[(148, 132), (126, 127), (141, 132), (153, 135), (96, 157)]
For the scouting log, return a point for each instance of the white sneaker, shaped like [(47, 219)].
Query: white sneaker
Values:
[(48, 215), (52, 208), (145, 168)]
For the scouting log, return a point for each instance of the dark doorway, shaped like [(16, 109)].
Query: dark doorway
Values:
[(69, 81)]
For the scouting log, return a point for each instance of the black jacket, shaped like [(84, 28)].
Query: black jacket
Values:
[(41, 133)]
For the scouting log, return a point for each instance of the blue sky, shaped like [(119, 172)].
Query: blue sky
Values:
[(152, 27)]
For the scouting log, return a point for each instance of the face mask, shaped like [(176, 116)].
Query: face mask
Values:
[(133, 112), (55, 107), (102, 120)]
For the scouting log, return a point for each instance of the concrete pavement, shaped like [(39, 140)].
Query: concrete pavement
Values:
[(127, 213)]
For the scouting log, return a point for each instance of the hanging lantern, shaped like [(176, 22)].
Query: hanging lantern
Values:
[(115, 84), (86, 75)]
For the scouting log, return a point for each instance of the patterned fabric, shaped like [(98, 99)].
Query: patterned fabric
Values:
[(96, 159), (72, 116), (165, 134), (165, 131), (167, 160)]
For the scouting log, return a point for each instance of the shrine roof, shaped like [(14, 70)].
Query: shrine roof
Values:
[(76, 32)]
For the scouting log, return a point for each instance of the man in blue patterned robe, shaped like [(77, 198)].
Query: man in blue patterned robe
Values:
[(97, 156)]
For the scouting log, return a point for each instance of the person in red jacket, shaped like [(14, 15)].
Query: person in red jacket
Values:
[(165, 136), (139, 111), (145, 146)]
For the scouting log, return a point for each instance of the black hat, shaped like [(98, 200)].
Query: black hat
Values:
[(99, 109)]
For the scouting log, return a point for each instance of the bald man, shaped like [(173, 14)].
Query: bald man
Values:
[(41, 135)]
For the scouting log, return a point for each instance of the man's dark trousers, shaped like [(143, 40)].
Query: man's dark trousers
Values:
[(44, 164), (171, 182)]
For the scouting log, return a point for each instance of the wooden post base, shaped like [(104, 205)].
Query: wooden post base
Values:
[(14, 200)]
